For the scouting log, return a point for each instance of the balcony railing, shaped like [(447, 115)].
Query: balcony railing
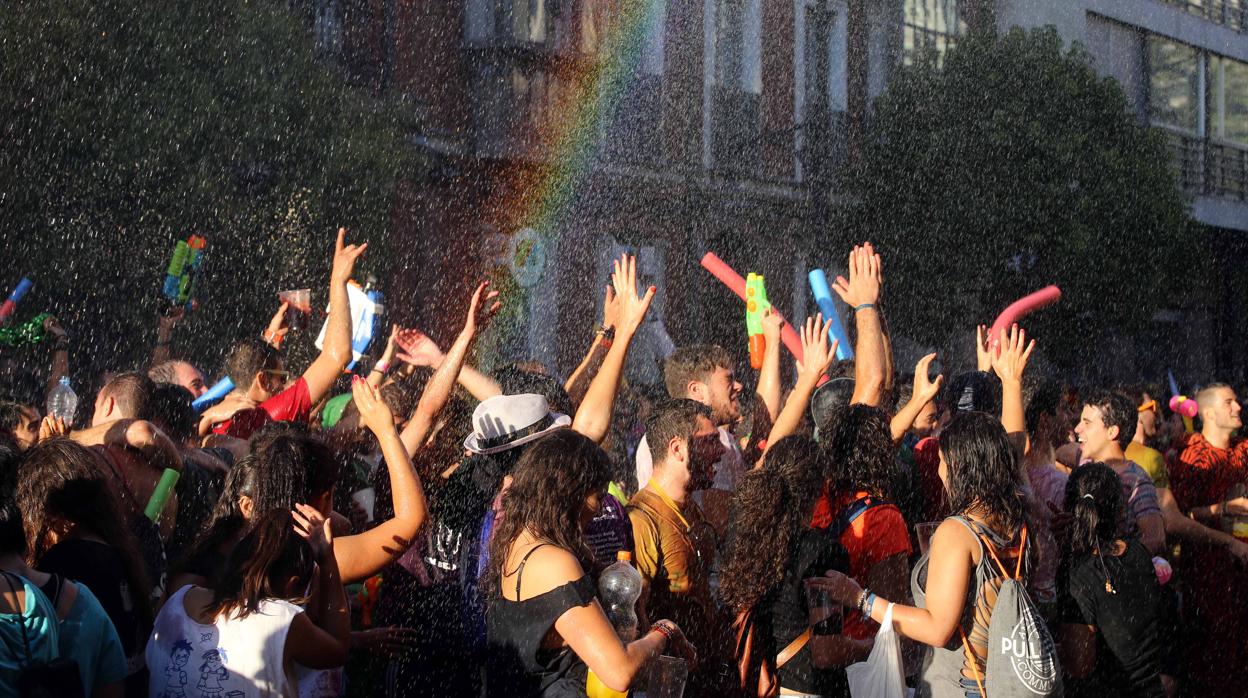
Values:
[(1230, 13), (1209, 168)]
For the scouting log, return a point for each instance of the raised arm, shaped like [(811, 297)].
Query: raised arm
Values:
[(1009, 356), (419, 350), (438, 389), (60, 351), (165, 324), (361, 556), (578, 382), (862, 293), (769, 375), (378, 372), (925, 390), (817, 356), (593, 416), (336, 351)]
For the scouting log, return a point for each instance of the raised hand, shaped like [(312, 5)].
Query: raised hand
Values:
[(632, 307), (418, 349), (52, 426), (344, 258), (925, 388), (275, 333), (482, 307), (1010, 360), (772, 323), (374, 413), (863, 286), (983, 353), (610, 308), (313, 527), (817, 353)]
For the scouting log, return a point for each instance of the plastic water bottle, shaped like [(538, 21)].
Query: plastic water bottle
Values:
[(619, 587), (63, 401)]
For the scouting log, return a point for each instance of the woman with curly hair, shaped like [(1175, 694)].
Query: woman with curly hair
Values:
[(545, 627), (861, 460), (774, 549)]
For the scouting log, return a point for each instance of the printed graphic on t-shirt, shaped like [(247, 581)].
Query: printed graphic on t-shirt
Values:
[(214, 679)]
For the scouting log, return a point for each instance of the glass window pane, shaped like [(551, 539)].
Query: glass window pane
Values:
[(1230, 100), (1173, 84)]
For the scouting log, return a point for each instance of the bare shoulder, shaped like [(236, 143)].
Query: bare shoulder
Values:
[(548, 567)]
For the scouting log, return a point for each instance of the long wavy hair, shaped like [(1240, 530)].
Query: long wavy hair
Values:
[(269, 561), (983, 475), (227, 522), (547, 496), (1094, 500), (771, 507), (860, 453), (59, 481)]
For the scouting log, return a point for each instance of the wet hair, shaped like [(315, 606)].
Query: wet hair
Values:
[(290, 468), (58, 479), (1205, 394), (11, 415), (262, 566), (1136, 392), (1117, 410), (770, 509), (984, 476), (132, 391), (249, 357), (395, 395), (172, 413), (676, 418), (20, 384), (972, 391), (859, 451), (828, 399), (695, 363), (1043, 397), (1094, 500), (226, 521), (547, 497), (165, 371), (10, 461)]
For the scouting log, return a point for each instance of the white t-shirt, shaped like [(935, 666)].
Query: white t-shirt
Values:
[(232, 657), (728, 471)]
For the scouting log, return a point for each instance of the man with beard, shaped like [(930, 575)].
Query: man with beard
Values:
[(675, 544), (705, 374)]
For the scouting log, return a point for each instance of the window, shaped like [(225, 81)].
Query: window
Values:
[(1174, 85), (1228, 108), (930, 25), (738, 45), (327, 27)]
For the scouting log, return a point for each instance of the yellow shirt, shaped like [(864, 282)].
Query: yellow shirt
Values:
[(1151, 460)]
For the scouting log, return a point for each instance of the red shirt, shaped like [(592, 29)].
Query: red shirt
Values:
[(294, 404), (879, 533), (1204, 472), (927, 464)]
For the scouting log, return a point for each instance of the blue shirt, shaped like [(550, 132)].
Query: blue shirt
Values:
[(89, 638), (41, 634)]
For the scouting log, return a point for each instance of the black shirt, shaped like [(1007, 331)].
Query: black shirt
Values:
[(783, 614), (518, 665), (1128, 651)]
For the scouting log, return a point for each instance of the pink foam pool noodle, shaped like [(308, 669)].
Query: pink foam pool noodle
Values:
[(1024, 306), (1163, 570), (736, 284)]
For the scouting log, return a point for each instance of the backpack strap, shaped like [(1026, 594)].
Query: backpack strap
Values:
[(21, 618), (966, 647), (794, 647), (852, 511)]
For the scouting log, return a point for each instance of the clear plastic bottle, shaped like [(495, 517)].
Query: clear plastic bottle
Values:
[(619, 587), (63, 401)]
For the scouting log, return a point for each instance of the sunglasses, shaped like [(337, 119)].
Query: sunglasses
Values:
[(1150, 406)]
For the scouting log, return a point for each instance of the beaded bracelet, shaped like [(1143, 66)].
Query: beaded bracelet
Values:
[(663, 630)]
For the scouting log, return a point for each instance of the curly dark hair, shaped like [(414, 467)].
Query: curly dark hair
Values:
[(984, 476), (547, 497), (58, 479), (859, 449), (771, 507), (291, 467)]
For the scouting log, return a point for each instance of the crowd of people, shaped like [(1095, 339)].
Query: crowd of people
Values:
[(418, 527)]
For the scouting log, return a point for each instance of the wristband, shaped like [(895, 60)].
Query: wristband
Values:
[(165, 343), (663, 630), (381, 366), (607, 333), (862, 599), (864, 306)]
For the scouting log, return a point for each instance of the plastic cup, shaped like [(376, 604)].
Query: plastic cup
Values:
[(826, 614), (300, 306), (924, 531), (367, 499), (667, 678)]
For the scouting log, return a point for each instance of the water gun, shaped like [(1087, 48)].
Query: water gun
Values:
[(756, 306), (366, 597), (10, 306), (28, 333), (1182, 404), (736, 284), (823, 297), (160, 496), (183, 271), (214, 394)]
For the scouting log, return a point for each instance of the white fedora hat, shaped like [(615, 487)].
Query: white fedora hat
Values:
[(503, 422)]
